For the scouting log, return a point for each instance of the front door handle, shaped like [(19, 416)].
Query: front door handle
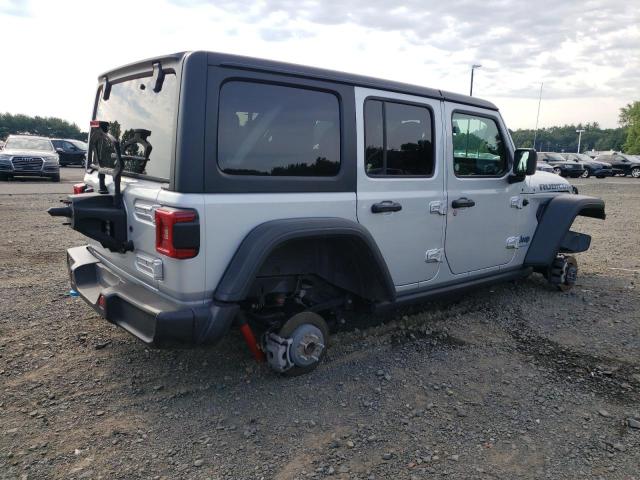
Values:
[(463, 202), (386, 206)]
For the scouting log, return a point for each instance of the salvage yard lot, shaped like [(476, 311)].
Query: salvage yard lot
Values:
[(511, 381)]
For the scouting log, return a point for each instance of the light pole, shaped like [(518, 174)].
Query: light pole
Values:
[(473, 67), (579, 132), (535, 135)]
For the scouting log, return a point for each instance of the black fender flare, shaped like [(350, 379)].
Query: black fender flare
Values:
[(553, 233), (266, 237)]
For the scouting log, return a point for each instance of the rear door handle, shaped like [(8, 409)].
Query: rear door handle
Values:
[(386, 206), (463, 202)]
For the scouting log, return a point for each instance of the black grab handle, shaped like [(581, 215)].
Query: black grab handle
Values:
[(386, 206), (463, 202)]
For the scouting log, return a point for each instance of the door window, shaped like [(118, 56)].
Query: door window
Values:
[(478, 147), (398, 140)]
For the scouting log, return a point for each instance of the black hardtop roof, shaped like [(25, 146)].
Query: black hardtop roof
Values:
[(249, 63), (259, 64)]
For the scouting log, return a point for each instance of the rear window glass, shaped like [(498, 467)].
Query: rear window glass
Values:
[(142, 118), (274, 130)]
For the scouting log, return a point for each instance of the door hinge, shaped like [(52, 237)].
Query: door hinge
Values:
[(513, 242), (518, 202), (438, 206), (433, 256)]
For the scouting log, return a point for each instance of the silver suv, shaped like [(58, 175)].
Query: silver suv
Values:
[(29, 156), (223, 190)]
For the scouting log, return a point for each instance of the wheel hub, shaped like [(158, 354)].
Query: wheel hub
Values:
[(570, 274), (302, 349), (307, 344), (564, 272)]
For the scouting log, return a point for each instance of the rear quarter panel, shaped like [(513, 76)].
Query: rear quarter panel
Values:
[(228, 218)]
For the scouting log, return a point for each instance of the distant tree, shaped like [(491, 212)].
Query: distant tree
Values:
[(565, 139), (44, 126), (630, 120)]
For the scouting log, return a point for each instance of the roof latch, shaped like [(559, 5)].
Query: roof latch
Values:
[(158, 77), (106, 88)]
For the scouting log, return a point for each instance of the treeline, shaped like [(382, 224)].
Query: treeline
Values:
[(565, 138), (554, 139), (44, 126)]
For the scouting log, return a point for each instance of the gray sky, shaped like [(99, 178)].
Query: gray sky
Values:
[(586, 52)]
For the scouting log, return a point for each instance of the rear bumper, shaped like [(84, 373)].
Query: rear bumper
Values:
[(143, 312)]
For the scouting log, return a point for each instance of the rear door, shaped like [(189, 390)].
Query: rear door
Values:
[(401, 182), (482, 221), (143, 118)]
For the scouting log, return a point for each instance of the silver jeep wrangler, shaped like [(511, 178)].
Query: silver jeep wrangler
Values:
[(223, 190)]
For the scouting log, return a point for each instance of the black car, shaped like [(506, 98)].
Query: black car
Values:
[(69, 151), (626, 164), (597, 169), (560, 165)]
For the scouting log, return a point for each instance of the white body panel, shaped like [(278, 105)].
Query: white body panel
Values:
[(472, 240), (182, 280), (230, 217), (476, 237), (403, 237)]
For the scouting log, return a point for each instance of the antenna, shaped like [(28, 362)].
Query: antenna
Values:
[(535, 135)]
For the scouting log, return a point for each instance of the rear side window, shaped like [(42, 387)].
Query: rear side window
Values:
[(398, 139), (478, 147), (275, 130)]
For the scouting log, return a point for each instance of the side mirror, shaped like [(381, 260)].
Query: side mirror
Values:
[(525, 162), (60, 150)]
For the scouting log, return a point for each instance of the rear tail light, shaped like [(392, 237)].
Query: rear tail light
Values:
[(177, 232), (81, 188)]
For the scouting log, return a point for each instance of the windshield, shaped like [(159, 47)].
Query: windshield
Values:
[(143, 119), (584, 157), (556, 157), (26, 143), (79, 143)]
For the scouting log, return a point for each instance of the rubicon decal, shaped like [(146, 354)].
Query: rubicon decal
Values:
[(554, 187)]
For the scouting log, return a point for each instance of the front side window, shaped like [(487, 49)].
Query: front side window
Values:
[(272, 130), (478, 147), (398, 139)]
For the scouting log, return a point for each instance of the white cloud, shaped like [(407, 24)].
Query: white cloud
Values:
[(587, 53)]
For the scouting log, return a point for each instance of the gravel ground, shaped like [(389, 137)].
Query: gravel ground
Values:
[(512, 381), (32, 185)]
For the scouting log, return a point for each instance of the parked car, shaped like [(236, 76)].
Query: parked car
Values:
[(280, 198), (626, 164), (598, 169), (69, 152), (561, 166), (29, 156), (544, 167)]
